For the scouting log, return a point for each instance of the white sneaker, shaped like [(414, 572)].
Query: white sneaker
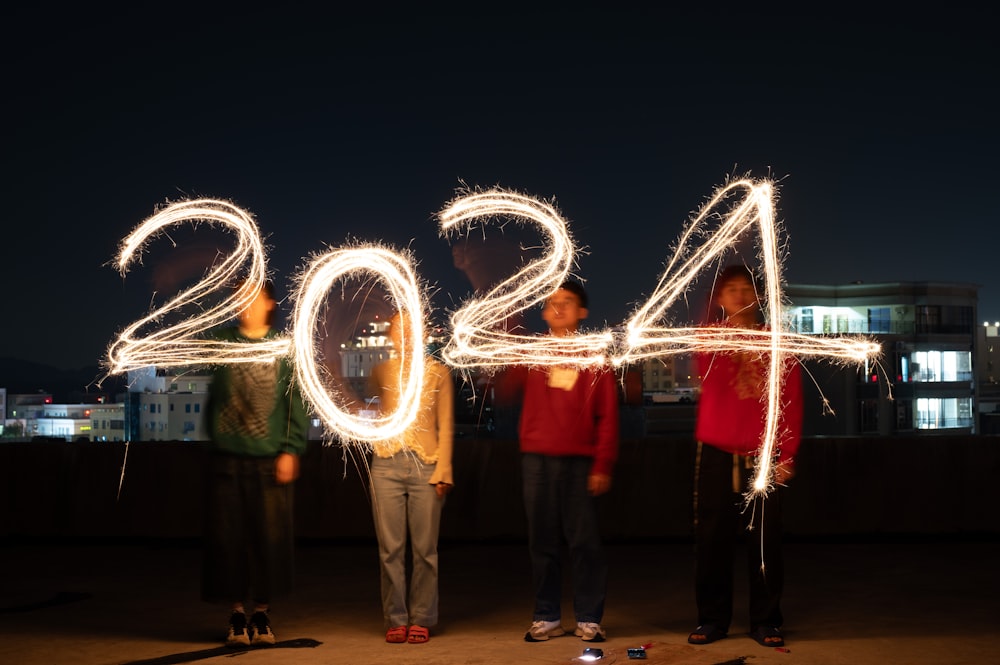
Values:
[(589, 631), (543, 630), (238, 634), (262, 633)]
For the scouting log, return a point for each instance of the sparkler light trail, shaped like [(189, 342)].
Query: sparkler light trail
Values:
[(315, 283), (646, 338), (478, 338), (184, 344)]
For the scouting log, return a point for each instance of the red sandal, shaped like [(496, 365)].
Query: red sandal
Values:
[(418, 635), (396, 635)]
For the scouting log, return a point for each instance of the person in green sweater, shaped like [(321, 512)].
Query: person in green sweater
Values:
[(259, 427)]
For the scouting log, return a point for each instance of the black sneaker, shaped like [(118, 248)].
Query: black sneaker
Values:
[(238, 634), (262, 635)]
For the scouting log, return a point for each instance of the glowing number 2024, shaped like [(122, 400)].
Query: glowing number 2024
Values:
[(478, 337)]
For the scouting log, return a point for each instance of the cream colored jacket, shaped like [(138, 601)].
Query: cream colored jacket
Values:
[(431, 436)]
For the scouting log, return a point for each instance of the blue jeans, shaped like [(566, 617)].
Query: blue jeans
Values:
[(559, 507), (404, 503)]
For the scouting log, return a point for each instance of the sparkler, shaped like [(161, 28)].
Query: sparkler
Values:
[(645, 338), (183, 344), (396, 272), (478, 338)]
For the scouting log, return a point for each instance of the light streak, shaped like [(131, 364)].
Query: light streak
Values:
[(645, 337), (323, 272), (184, 343), (478, 337)]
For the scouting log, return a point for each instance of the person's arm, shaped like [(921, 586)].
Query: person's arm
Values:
[(607, 431), (295, 437), (443, 477), (791, 422), (508, 385)]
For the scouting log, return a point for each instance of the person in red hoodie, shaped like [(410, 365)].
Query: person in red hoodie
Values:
[(729, 430), (569, 443)]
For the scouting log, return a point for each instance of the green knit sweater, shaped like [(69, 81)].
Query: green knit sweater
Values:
[(255, 409)]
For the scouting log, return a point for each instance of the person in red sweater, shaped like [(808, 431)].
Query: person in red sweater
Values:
[(569, 443), (729, 430)]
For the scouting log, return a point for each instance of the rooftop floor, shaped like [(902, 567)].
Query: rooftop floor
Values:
[(929, 600)]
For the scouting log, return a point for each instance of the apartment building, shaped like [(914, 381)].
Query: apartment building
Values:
[(925, 381), (988, 374)]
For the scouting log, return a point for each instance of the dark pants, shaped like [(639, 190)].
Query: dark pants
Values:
[(721, 520), (559, 506), (249, 540)]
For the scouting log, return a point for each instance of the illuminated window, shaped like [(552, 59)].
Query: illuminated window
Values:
[(943, 413), (935, 366)]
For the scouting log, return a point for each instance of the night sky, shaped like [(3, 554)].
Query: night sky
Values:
[(352, 124)]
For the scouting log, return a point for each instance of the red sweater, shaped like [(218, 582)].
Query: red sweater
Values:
[(733, 404), (554, 421)]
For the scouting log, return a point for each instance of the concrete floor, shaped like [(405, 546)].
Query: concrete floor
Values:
[(916, 601)]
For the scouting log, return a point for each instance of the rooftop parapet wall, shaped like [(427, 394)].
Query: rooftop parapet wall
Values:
[(845, 486)]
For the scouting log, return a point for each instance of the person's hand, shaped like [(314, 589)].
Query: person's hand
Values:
[(598, 483), (286, 468), (783, 472), (442, 488)]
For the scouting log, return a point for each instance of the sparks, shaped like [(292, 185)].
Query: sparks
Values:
[(333, 407), (478, 337), (646, 337), (184, 343), (480, 340)]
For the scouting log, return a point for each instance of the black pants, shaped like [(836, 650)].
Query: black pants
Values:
[(722, 518), (249, 537)]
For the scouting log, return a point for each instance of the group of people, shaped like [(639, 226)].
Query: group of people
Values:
[(568, 435)]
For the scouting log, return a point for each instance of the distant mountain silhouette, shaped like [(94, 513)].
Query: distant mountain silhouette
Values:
[(65, 386)]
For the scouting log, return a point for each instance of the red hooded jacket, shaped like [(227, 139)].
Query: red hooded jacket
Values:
[(732, 406)]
